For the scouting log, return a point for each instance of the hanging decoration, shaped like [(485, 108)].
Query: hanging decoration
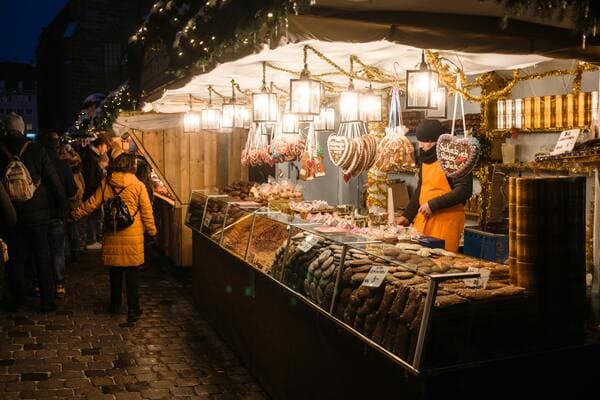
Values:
[(457, 157), (210, 118), (421, 86), (584, 13), (264, 104), (191, 120), (352, 151), (286, 147), (257, 152), (370, 106), (325, 121), (235, 115), (305, 93), (395, 151), (312, 164)]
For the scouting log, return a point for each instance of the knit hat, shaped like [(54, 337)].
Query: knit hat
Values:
[(14, 122), (429, 130)]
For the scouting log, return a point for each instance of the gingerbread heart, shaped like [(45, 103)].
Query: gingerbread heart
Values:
[(338, 147), (457, 156)]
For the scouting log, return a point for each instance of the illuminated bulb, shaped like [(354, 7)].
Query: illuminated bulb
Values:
[(270, 15)]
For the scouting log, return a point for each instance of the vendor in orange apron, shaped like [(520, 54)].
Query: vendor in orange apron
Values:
[(437, 205)]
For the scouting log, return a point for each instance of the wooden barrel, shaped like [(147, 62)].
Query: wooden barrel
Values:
[(512, 229)]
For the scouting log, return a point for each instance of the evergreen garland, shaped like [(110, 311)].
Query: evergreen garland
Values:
[(585, 13)]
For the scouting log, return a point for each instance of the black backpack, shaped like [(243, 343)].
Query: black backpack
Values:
[(116, 213)]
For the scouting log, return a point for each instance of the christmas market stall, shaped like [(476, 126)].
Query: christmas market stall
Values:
[(285, 133)]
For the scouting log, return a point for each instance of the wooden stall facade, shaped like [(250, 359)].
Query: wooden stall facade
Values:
[(186, 162)]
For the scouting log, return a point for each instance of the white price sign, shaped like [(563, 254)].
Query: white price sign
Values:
[(480, 282), (566, 141), (308, 243), (207, 220), (375, 276)]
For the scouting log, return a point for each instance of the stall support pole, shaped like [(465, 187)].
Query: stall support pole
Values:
[(338, 279), (596, 234), (429, 302), (286, 252), (250, 237)]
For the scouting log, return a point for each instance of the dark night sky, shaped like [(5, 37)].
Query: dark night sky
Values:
[(21, 22)]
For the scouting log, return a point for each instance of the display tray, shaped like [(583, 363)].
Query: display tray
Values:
[(395, 297)]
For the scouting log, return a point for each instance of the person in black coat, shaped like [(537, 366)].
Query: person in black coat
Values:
[(30, 235), (93, 174), (56, 228), (8, 215)]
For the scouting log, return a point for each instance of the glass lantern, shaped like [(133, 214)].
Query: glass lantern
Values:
[(370, 106), (421, 86), (325, 121), (305, 95)]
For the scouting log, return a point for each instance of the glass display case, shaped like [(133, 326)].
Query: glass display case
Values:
[(389, 295)]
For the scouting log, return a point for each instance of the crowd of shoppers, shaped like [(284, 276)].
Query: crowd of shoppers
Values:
[(51, 207)]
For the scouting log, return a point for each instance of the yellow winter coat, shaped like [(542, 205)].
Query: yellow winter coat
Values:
[(123, 248)]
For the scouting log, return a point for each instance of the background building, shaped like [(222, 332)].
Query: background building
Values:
[(82, 51), (18, 93)]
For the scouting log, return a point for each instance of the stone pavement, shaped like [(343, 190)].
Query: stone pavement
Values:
[(81, 352)]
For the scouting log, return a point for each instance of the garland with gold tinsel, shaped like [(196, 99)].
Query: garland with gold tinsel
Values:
[(448, 79)]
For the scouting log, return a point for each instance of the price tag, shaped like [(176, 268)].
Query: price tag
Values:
[(566, 141), (207, 220), (480, 282), (375, 276), (308, 243)]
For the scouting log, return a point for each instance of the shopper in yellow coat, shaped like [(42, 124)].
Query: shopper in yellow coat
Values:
[(123, 251)]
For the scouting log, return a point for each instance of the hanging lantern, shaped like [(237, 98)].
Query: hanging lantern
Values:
[(305, 93), (370, 106), (210, 118), (235, 115), (191, 120), (325, 121), (264, 103), (350, 105), (289, 123), (421, 85)]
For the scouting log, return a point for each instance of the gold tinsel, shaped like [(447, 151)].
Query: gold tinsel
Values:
[(448, 79)]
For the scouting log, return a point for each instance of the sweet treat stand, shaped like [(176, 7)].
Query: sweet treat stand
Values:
[(306, 274)]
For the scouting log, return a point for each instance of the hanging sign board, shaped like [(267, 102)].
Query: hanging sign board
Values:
[(566, 142), (375, 276)]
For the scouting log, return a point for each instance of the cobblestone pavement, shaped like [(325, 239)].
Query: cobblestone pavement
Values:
[(81, 352)]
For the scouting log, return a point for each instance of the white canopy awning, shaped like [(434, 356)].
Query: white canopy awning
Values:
[(145, 122), (388, 56)]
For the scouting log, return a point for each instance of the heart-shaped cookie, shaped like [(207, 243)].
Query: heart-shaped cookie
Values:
[(338, 147), (457, 156)]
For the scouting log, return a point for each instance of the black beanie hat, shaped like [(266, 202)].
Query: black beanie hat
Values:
[(429, 130)]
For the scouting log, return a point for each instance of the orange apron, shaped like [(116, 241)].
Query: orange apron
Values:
[(446, 224)]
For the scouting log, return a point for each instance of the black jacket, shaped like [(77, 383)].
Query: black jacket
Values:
[(38, 209), (8, 215), (462, 188), (91, 170), (65, 174)]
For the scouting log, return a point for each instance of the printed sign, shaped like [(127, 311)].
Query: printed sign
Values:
[(566, 142), (375, 276), (337, 147), (207, 220), (457, 156), (480, 282), (308, 243)]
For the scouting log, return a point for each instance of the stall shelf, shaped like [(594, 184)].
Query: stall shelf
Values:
[(308, 307)]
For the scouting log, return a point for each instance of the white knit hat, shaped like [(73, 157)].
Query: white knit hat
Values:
[(14, 122)]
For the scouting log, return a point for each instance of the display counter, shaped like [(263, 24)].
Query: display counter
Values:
[(317, 315)]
